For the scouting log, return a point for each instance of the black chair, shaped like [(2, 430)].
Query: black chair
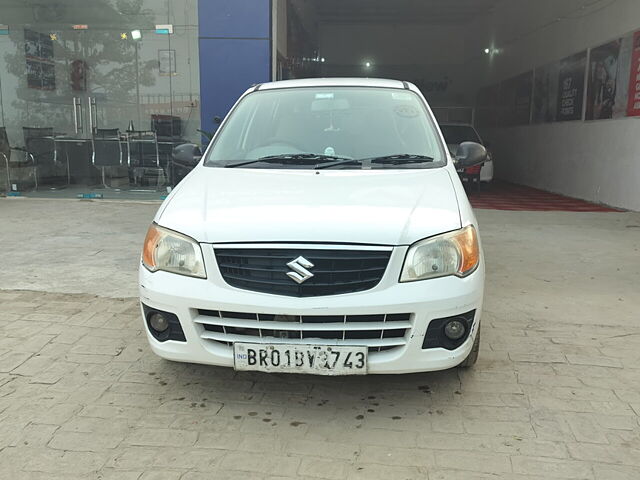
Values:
[(41, 146), (144, 158), (107, 150), (5, 152)]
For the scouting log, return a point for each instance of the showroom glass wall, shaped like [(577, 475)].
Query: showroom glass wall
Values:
[(82, 69)]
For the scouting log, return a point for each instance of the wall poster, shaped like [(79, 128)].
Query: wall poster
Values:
[(515, 99), (167, 62), (545, 93), (40, 67), (608, 87), (633, 102), (571, 75)]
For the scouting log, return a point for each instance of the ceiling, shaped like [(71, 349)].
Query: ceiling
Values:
[(429, 12)]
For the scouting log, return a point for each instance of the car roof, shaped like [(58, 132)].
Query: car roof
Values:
[(335, 82)]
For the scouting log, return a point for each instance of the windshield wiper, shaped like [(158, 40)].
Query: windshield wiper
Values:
[(346, 161), (400, 159), (291, 159)]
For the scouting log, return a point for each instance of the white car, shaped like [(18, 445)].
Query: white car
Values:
[(324, 231), (457, 133)]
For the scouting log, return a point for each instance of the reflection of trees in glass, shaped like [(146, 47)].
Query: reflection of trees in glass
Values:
[(113, 67)]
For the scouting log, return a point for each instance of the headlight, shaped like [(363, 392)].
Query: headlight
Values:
[(453, 253), (172, 252)]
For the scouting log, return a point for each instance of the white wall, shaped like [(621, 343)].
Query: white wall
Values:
[(597, 161)]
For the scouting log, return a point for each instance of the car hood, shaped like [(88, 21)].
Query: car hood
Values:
[(381, 207)]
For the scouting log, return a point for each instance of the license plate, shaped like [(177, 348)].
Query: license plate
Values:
[(313, 359)]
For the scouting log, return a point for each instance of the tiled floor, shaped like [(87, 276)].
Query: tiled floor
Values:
[(555, 393), (507, 196)]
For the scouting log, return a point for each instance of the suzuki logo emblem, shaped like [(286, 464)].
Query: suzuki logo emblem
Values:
[(300, 273)]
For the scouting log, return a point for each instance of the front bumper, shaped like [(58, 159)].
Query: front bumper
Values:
[(425, 301)]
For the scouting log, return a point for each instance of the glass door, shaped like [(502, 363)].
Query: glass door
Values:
[(74, 67)]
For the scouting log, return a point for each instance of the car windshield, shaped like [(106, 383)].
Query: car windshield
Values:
[(457, 134), (341, 127)]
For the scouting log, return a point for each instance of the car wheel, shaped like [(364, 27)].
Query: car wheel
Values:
[(472, 358)]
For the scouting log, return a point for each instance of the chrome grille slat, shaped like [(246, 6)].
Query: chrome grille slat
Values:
[(376, 342), (382, 331), (294, 326), (315, 270), (376, 331), (224, 330), (344, 332)]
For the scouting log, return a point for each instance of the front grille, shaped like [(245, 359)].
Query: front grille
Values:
[(377, 332), (335, 271)]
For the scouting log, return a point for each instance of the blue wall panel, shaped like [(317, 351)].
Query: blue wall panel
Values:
[(235, 52), (227, 68), (235, 18)]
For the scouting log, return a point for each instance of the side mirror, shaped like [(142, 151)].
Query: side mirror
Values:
[(187, 155), (470, 154)]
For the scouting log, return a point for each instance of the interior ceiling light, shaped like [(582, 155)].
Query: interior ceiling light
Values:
[(136, 34), (492, 51)]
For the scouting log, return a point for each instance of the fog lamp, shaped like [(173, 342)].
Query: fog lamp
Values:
[(455, 329), (158, 322)]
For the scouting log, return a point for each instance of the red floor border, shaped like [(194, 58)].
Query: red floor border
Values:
[(508, 196)]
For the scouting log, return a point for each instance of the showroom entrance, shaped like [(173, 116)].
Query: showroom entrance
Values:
[(420, 42), (552, 88), (94, 96)]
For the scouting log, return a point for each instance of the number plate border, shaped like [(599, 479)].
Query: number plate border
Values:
[(304, 347)]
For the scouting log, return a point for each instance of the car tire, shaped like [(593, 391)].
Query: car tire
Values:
[(472, 358)]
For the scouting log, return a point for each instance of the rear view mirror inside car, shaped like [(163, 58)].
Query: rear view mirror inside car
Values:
[(330, 104)]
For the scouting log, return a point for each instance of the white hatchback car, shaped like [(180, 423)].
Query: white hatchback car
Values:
[(324, 231)]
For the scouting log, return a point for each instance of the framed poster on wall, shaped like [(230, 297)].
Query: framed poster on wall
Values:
[(602, 87), (571, 75), (515, 99), (633, 101), (167, 62), (40, 66), (545, 93)]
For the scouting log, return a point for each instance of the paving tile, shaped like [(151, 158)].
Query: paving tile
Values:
[(551, 468), (80, 402), (162, 437), (474, 462), (323, 468)]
